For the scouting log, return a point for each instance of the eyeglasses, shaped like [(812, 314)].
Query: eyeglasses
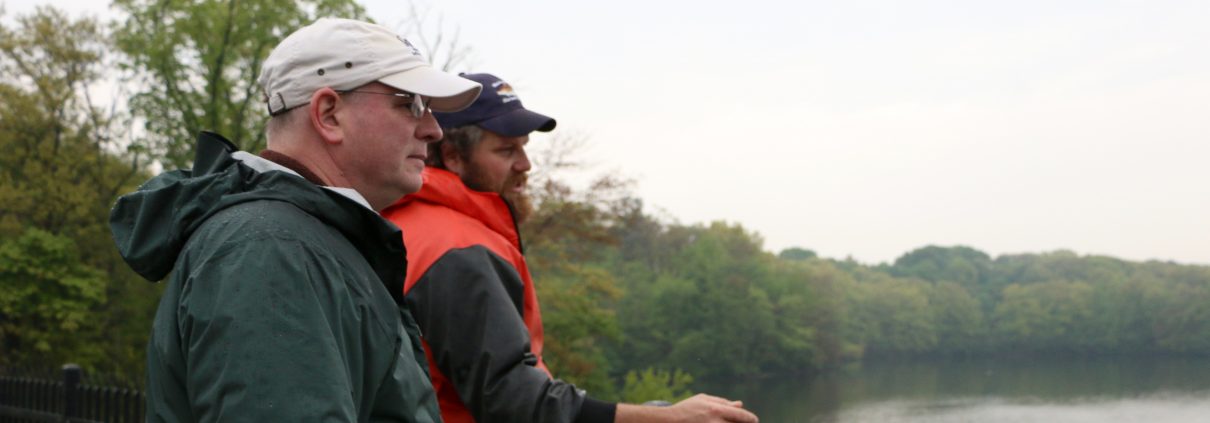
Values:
[(419, 104)]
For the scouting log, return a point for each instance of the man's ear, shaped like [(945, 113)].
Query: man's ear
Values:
[(322, 110), (452, 158)]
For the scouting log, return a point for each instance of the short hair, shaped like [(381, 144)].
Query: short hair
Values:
[(463, 139), (280, 121)]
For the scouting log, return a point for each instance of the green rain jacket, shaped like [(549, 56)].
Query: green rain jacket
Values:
[(284, 301)]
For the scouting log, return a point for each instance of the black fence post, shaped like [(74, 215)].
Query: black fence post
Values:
[(71, 390)]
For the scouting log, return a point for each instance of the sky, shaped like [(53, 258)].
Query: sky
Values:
[(865, 129)]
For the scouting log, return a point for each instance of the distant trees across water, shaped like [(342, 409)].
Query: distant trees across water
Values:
[(708, 300)]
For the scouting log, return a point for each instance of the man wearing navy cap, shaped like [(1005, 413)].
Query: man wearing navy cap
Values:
[(469, 288)]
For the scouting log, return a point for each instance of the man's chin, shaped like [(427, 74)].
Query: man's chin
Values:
[(522, 204)]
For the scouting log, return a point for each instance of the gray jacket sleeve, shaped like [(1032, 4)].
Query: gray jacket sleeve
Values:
[(468, 305)]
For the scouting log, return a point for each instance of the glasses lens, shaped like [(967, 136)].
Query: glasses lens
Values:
[(419, 105)]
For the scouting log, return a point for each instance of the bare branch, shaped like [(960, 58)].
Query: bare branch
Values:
[(444, 46)]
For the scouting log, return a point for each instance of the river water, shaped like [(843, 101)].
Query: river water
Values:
[(1060, 390)]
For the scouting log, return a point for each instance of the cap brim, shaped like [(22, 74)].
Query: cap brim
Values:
[(449, 93), (518, 122)]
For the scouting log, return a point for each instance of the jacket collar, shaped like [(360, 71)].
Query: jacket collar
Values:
[(445, 188), (151, 226), (270, 160)]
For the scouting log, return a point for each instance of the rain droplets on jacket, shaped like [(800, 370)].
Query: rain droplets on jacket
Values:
[(283, 298)]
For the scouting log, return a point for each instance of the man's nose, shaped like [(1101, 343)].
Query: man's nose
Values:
[(428, 130), (522, 164)]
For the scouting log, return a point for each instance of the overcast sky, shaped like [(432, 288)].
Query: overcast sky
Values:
[(870, 128)]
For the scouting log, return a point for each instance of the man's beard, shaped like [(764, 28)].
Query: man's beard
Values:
[(523, 205), (521, 202)]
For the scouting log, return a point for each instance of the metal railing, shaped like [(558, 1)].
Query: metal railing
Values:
[(32, 399)]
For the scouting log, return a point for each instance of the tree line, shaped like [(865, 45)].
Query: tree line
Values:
[(636, 306), (706, 299)]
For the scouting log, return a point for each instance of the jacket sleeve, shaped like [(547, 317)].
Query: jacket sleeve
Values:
[(259, 345), (467, 305)]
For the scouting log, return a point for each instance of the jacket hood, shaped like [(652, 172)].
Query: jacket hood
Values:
[(151, 225), (445, 188)]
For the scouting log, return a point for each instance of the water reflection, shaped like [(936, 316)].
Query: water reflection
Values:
[(1159, 408), (1051, 390)]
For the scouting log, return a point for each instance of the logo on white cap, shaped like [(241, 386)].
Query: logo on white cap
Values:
[(415, 51)]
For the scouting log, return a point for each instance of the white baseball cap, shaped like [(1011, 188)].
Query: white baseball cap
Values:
[(344, 54)]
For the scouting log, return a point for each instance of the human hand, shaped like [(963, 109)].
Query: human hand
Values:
[(709, 408)]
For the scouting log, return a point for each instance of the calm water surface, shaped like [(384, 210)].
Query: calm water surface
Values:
[(1158, 390)]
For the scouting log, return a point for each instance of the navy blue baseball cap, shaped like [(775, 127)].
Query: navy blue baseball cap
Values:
[(498, 109)]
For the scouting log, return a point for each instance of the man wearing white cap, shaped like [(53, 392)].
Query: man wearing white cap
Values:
[(285, 296), (470, 287)]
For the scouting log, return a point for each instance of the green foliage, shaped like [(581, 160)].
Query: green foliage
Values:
[(564, 237), (957, 318), (196, 63), (723, 316), (796, 253), (578, 322), (820, 299), (894, 315), (64, 164), (656, 385), (57, 172), (1179, 317), (964, 265), (1045, 316), (46, 300), (718, 306)]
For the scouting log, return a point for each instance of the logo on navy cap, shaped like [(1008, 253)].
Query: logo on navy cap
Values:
[(505, 92)]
